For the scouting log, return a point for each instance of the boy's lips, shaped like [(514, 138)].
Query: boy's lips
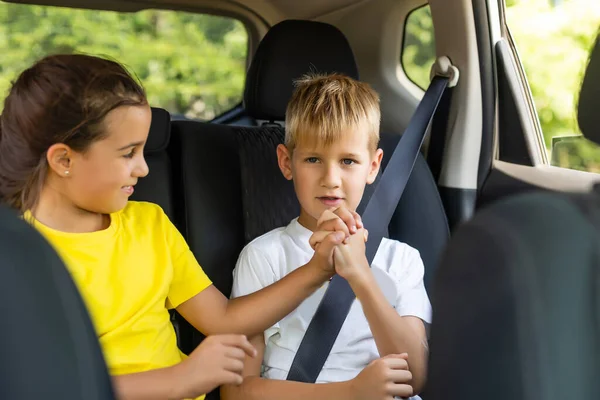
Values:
[(330, 201)]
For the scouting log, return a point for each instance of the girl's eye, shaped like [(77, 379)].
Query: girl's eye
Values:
[(348, 161), (130, 154), (312, 160)]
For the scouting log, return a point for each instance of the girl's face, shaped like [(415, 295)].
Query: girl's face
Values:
[(101, 179)]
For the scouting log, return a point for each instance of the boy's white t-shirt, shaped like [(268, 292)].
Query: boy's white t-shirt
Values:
[(397, 268)]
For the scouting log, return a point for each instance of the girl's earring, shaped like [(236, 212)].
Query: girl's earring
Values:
[(67, 172)]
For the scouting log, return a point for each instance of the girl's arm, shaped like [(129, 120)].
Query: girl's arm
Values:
[(158, 384), (211, 312), (217, 361)]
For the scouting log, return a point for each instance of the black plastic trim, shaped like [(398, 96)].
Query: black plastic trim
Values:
[(458, 203), (487, 71), (511, 134), (500, 185)]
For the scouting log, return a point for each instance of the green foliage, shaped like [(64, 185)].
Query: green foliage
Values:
[(554, 44), (418, 49), (190, 64)]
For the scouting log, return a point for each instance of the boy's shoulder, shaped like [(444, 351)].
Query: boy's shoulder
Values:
[(393, 254), (267, 242), (392, 245)]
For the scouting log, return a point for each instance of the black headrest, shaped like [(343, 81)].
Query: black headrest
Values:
[(160, 131), (289, 50), (588, 114), (48, 346)]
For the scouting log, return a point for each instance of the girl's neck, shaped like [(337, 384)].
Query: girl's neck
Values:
[(57, 212)]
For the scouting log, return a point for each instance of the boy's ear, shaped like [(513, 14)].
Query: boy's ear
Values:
[(375, 165), (59, 157), (284, 159)]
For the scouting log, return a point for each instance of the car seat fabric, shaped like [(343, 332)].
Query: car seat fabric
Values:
[(516, 304), (48, 347), (289, 50), (268, 199), (157, 187)]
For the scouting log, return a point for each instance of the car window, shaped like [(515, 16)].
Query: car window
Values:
[(193, 65), (418, 46), (553, 39)]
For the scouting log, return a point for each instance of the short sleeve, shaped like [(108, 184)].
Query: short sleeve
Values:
[(189, 278), (252, 273), (407, 270)]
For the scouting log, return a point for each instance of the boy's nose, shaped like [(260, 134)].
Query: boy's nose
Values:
[(331, 179)]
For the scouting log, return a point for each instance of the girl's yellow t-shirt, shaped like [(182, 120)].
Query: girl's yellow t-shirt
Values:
[(129, 275)]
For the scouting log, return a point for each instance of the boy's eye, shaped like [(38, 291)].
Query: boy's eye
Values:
[(348, 161), (312, 160), (130, 154)]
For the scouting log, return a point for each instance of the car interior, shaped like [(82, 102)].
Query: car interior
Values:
[(480, 196)]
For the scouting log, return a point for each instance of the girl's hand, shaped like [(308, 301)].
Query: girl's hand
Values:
[(218, 360)]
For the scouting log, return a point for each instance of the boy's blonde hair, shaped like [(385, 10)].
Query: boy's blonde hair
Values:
[(324, 107)]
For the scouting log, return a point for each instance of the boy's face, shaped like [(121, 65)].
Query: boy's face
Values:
[(332, 176)]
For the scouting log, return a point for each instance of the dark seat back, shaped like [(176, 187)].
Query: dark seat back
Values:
[(516, 301), (157, 187), (48, 347)]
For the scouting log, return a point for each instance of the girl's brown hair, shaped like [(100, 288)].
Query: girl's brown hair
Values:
[(60, 99)]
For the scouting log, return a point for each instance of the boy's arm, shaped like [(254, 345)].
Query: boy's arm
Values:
[(393, 334), (383, 379), (256, 388)]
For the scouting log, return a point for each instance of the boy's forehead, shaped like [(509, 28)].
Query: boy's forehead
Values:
[(349, 141)]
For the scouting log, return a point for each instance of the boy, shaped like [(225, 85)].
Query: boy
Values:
[(330, 153)]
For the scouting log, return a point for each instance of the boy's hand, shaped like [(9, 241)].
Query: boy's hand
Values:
[(383, 379), (340, 219), (217, 361), (333, 228), (323, 242), (350, 260)]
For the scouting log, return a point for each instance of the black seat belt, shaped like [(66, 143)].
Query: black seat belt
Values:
[(335, 305)]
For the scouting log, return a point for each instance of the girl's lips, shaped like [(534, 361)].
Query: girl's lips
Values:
[(128, 189)]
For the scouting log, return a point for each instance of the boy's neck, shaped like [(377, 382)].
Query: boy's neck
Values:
[(56, 212), (307, 221)]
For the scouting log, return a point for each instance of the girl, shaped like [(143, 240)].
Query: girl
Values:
[(72, 135)]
